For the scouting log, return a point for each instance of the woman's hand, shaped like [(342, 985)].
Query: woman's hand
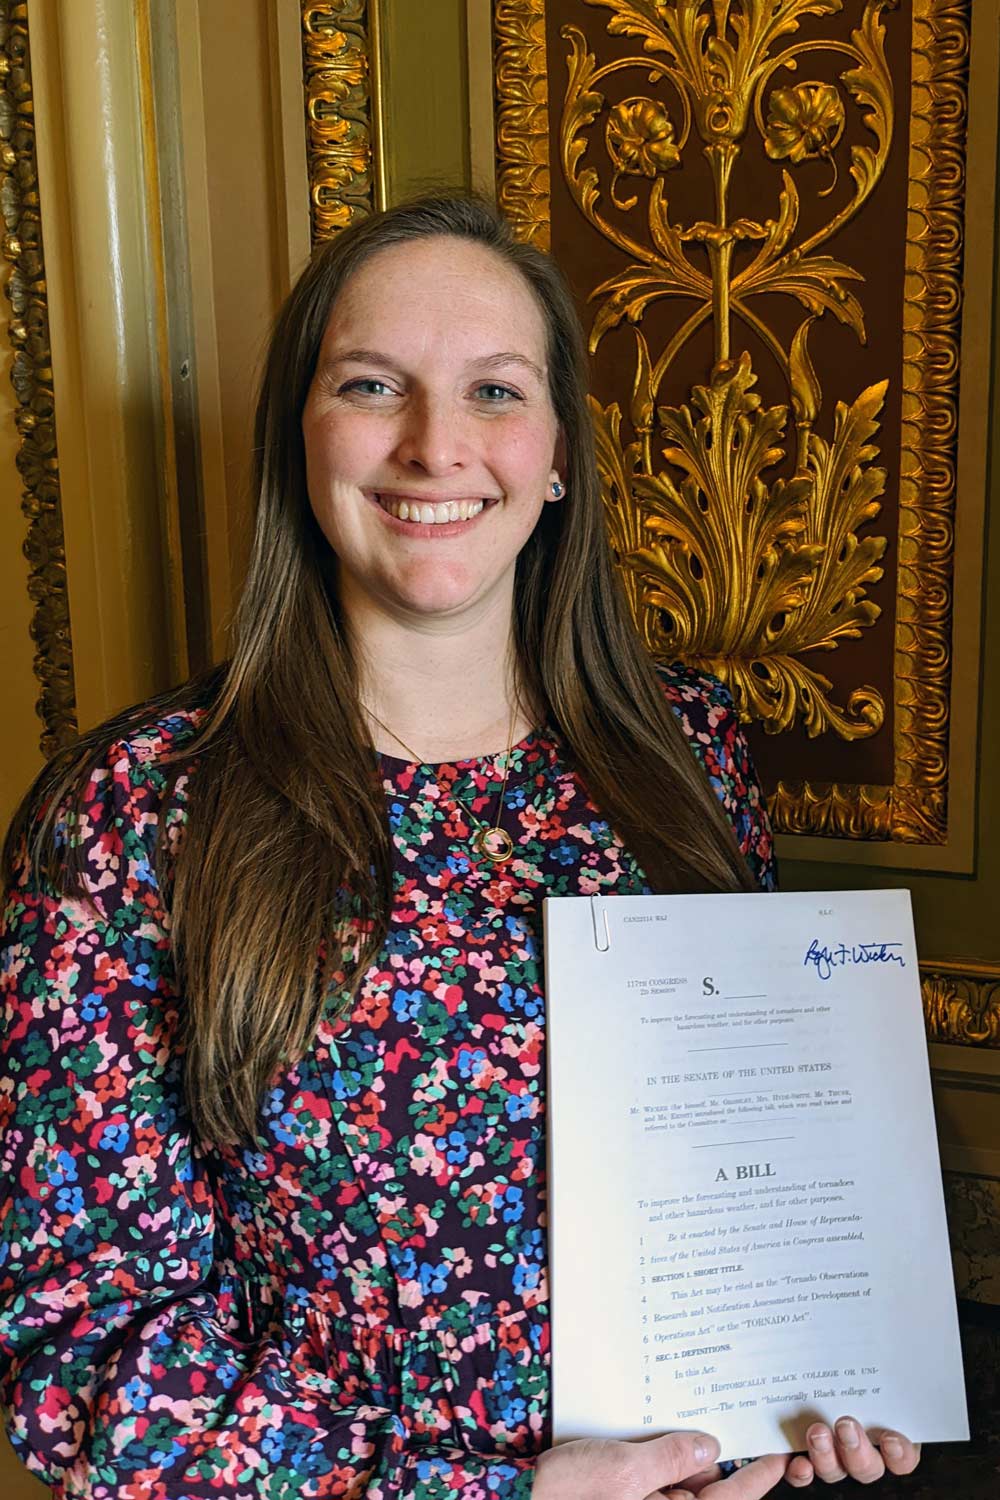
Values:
[(681, 1465), (677, 1465), (846, 1451)]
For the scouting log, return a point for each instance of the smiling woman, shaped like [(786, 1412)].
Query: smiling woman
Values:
[(272, 1100), (441, 432)]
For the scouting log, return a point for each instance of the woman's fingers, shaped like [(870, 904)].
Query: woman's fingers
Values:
[(647, 1468), (751, 1482), (800, 1471), (846, 1452), (821, 1451), (691, 1486), (697, 1482), (843, 1452), (597, 1468), (901, 1456), (858, 1454)]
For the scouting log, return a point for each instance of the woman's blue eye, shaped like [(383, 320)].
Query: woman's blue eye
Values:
[(364, 386), (497, 391)]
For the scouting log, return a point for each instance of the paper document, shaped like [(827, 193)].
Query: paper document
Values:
[(746, 1220)]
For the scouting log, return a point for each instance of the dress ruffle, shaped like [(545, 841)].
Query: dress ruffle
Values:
[(455, 1382)]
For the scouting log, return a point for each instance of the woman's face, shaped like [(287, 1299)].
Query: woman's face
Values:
[(431, 442)]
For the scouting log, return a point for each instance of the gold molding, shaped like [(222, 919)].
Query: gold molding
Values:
[(914, 809), (962, 1002), (343, 139), (522, 117), (931, 327), (31, 376), (841, 812)]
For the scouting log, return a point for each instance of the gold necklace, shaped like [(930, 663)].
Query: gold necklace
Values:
[(490, 840)]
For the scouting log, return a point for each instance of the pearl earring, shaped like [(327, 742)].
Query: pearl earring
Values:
[(558, 490)]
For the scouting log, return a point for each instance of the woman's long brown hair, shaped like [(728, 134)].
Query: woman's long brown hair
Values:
[(283, 876)]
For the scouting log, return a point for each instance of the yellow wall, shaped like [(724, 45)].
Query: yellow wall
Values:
[(425, 91), (244, 261)]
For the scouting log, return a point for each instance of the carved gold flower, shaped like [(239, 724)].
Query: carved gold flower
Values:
[(640, 139), (804, 122)]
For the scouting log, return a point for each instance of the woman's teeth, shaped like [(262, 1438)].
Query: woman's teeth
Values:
[(431, 515)]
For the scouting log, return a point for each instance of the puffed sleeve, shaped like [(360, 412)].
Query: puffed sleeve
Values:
[(120, 1375), (705, 709)]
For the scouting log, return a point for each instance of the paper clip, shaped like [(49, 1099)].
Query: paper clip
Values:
[(594, 909)]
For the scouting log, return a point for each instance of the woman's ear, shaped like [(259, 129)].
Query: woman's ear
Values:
[(557, 476)]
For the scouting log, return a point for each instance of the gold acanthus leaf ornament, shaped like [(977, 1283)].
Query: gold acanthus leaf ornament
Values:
[(962, 1002), (741, 575), (750, 558), (551, 121)]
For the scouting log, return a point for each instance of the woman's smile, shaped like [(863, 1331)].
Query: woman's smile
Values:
[(431, 516)]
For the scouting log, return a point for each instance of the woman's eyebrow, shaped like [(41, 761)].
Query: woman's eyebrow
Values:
[(361, 357), (386, 362), (492, 361)]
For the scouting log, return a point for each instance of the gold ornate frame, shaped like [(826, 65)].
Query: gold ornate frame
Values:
[(37, 459), (962, 1002), (343, 98), (914, 809)]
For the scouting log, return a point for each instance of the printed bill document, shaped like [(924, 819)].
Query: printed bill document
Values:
[(746, 1219)]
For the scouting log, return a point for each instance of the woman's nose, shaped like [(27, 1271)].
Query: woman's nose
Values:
[(433, 438)]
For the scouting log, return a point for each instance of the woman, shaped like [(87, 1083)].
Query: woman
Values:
[(273, 1110)]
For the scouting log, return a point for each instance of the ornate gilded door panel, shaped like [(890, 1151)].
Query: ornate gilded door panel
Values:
[(762, 209)]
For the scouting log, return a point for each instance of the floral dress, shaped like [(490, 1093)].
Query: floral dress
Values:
[(358, 1306)]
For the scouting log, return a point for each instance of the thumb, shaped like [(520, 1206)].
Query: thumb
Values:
[(657, 1463)]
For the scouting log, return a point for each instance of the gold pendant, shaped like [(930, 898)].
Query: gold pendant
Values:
[(494, 844)]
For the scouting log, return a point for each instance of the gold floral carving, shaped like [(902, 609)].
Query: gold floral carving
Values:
[(522, 117), (37, 458), (741, 573), (962, 1002), (337, 51), (805, 121), (726, 564), (786, 554), (914, 809)]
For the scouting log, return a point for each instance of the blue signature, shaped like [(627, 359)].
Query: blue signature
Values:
[(826, 960)]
